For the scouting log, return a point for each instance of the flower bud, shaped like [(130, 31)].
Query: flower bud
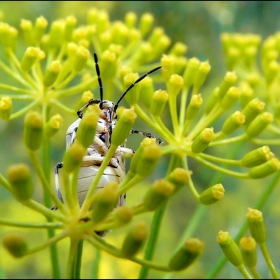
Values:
[(105, 40), (265, 169), (212, 194), (187, 254), (133, 96), (146, 91), (179, 177), (201, 74), (81, 58), (71, 49), (134, 239), (19, 176), (105, 201), (168, 67), (252, 110), (190, 72), (103, 22), (91, 32), (194, 106), (256, 225), (250, 54), (5, 107), (246, 94), (155, 36), (259, 124), (56, 33), (202, 141), (80, 33), (158, 102), (12, 38), (40, 28), (109, 65), (180, 64), (248, 251), (33, 130), (15, 244), (253, 79), (234, 122), (232, 57), (134, 35), (148, 161), (161, 46), (160, 191), (256, 157), (230, 98), (228, 81), (138, 154), (143, 53), (28, 35), (86, 96), (123, 127), (52, 73), (4, 34), (119, 33), (73, 157), (29, 58), (130, 19), (69, 27), (122, 216), (175, 84), (179, 49), (87, 126), (212, 101), (146, 23), (124, 70), (272, 72), (229, 248), (92, 16), (53, 125)]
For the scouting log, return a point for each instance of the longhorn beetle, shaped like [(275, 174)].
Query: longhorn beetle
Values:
[(115, 171)]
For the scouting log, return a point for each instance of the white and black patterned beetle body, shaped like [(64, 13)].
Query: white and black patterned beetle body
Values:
[(115, 171)]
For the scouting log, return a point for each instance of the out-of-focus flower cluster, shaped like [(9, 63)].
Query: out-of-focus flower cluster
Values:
[(44, 72)]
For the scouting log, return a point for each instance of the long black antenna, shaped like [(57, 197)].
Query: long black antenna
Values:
[(132, 85), (98, 74)]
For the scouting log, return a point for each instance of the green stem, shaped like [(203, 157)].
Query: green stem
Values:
[(97, 242), (47, 201), (67, 80), (164, 128), (47, 189), (268, 260), (79, 259), (8, 222), (174, 117), (274, 128), (259, 205), (221, 160), (156, 127), (223, 170), (24, 110), (76, 89), (275, 142), (50, 242), (96, 262), (72, 260), (183, 106), (63, 107), (229, 140), (16, 89), (18, 97), (156, 223), (4, 183), (254, 272), (244, 272)]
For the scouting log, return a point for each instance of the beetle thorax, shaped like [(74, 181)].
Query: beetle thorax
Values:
[(107, 111)]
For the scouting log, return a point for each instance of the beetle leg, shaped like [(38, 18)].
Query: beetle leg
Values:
[(56, 178), (90, 102), (146, 134), (126, 151)]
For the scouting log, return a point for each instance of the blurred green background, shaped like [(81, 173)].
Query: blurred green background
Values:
[(197, 24)]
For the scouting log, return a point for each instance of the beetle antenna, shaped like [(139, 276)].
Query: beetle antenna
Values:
[(132, 85), (98, 75)]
